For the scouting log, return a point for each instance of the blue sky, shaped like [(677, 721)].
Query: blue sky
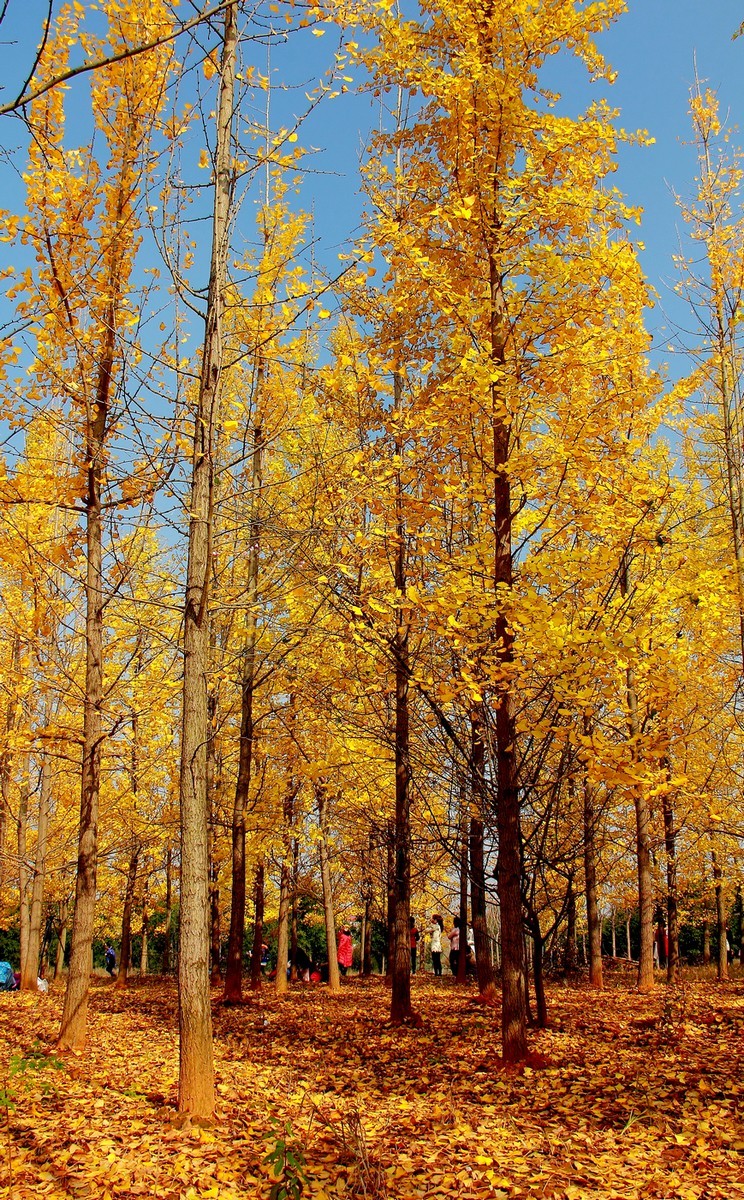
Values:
[(653, 48)]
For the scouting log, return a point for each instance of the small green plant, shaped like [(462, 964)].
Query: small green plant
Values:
[(22, 1064), (286, 1160)]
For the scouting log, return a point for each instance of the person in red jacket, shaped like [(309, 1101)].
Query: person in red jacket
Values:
[(345, 950)]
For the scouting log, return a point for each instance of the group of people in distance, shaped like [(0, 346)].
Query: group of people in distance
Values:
[(436, 933)]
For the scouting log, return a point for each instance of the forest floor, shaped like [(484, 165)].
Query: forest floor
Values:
[(627, 1096)]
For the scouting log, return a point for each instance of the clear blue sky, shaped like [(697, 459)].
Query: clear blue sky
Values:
[(653, 48)]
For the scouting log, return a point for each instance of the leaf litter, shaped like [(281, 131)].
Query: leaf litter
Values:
[(625, 1097)]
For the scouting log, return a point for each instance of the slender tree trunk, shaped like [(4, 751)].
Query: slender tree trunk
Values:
[(670, 845), (23, 871), (390, 914), (144, 931), (367, 913), (168, 936), (643, 829), (293, 976), (215, 935), (6, 757), (196, 1071), (75, 1012), (722, 964), (483, 960), (334, 980), (537, 970), (628, 950), (28, 979), (234, 972), (258, 909), (612, 929), (400, 999), (706, 942), (59, 961), (462, 961), (509, 873), (125, 952), (571, 954), (282, 955), (590, 879)]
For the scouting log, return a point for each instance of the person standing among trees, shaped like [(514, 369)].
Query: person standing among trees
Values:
[(109, 958), (345, 950), (454, 941), (437, 929)]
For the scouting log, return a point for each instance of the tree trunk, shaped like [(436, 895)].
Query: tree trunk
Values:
[(37, 891), (390, 897), (293, 925), (643, 828), (168, 910), (196, 1071), (483, 960), (628, 950), (537, 970), (59, 961), (612, 930), (6, 757), (590, 878), (366, 964), (670, 845), (125, 952), (706, 942), (722, 964), (215, 937), (571, 954), (462, 961), (282, 933), (400, 999), (75, 1012), (144, 930), (258, 908), (509, 872), (23, 872), (234, 972), (334, 979)]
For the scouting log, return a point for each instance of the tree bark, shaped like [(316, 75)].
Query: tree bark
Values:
[(509, 870), (643, 827), (706, 942), (144, 928), (366, 964), (23, 871), (125, 951), (59, 961), (196, 1066), (400, 998), (168, 935), (593, 923), (28, 979), (571, 954), (722, 963), (628, 950), (234, 972), (258, 909), (282, 933), (334, 979), (670, 845), (612, 930), (483, 960), (293, 976), (462, 961)]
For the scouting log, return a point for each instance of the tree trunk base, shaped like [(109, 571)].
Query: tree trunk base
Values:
[(411, 1020)]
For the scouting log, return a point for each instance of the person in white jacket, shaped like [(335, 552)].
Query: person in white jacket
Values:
[(437, 926)]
